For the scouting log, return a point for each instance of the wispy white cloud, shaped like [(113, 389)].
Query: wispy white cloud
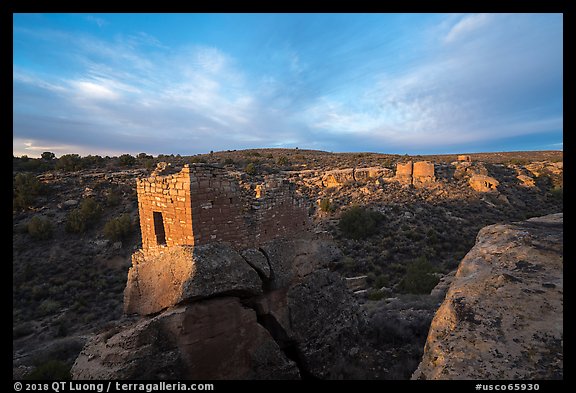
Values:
[(100, 22), (135, 93), (93, 90), (466, 25)]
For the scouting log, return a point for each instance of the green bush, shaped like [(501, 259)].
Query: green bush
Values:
[(198, 160), (91, 161), (375, 295), (126, 160), (359, 223), (48, 306), (75, 222), (557, 193), (83, 217), (118, 228), (113, 199), (90, 209), (40, 228), (51, 370), (419, 277), (283, 160), (326, 205), (228, 161), (69, 162), (250, 168), (25, 189), (22, 330), (48, 156)]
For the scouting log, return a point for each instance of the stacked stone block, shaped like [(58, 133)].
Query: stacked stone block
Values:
[(420, 173), (202, 204)]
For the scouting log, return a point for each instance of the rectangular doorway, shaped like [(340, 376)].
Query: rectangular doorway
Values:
[(159, 229)]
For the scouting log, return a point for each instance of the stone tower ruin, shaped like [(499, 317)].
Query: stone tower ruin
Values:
[(203, 204), (420, 173)]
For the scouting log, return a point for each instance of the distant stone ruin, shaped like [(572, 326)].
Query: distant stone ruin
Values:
[(464, 158), (483, 183), (202, 204), (339, 177), (419, 174)]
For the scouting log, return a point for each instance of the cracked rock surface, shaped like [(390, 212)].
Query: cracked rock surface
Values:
[(211, 312), (502, 317)]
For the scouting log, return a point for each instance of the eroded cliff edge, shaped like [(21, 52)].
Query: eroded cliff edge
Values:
[(502, 317), (212, 312)]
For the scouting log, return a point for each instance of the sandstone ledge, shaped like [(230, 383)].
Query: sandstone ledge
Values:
[(502, 317)]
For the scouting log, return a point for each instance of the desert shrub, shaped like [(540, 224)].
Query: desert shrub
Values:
[(270, 155), (69, 162), (48, 306), (126, 160), (90, 209), (91, 161), (113, 199), (48, 156), (25, 189), (518, 161), (375, 295), (22, 330), (75, 222), (83, 217), (118, 228), (144, 156), (228, 161), (359, 223), (40, 228), (557, 193), (381, 280), (198, 160), (252, 154), (250, 168), (419, 277), (326, 205), (51, 370), (283, 160)]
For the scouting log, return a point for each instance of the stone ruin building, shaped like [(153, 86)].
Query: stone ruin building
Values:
[(465, 158), (418, 174), (202, 204)]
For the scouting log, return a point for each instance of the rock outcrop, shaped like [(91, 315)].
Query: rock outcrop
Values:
[(160, 280), (338, 177), (482, 183), (194, 341), (213, 312), (502, 317)]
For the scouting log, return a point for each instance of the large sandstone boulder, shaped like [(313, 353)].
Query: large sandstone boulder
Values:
[(157, 281), (209, 339), (502, 317), (337, 177), (526, 181), (539, 168), (271, 313)]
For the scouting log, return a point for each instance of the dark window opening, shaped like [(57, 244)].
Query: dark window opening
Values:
[(159, 229)]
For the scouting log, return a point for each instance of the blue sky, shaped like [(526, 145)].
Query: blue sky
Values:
[(189, 83)]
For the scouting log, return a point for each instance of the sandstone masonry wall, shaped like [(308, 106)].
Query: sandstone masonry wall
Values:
[(203, 204), (423, 173), (418, 174), (404, 172)]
